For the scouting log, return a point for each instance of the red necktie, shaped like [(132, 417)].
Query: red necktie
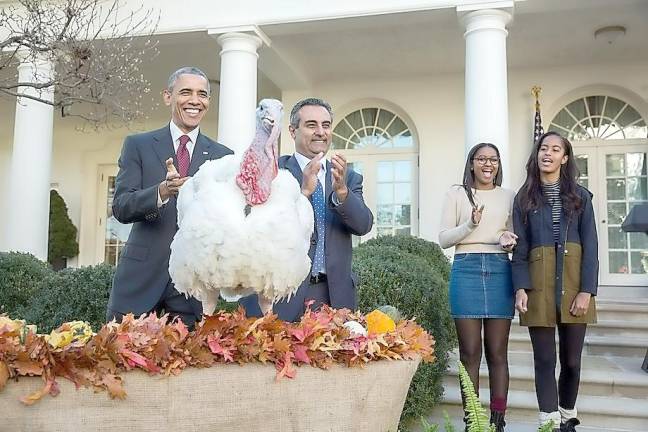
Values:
[(183, 156)]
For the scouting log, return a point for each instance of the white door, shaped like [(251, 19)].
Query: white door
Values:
[(617, 176), (111, 234), (390, 190)]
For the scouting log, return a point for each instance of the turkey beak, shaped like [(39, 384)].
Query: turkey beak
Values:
[(268, 121)]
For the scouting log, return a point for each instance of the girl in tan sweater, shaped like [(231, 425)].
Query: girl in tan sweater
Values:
[(476, 220)]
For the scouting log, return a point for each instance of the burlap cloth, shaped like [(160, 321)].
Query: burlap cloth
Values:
[(222, 398)]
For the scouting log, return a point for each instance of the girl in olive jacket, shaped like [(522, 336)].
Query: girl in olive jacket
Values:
[(555, 273)]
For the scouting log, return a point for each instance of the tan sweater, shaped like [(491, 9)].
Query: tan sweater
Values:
[(457, 228)]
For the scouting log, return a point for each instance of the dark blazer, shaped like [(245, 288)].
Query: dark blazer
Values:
[(350, 217), (143, 271), (553, 274)]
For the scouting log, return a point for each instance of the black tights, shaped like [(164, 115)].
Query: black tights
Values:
[(570, 343), (496, 336)]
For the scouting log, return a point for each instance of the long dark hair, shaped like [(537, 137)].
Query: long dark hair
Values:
[(469, 176), (531, 196)]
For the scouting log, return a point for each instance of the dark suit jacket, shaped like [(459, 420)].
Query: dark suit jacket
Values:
[(350, 217), (143, 271)]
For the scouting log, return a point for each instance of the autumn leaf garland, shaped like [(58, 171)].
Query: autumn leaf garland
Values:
[(153, 344)]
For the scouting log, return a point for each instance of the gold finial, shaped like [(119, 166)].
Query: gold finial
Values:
[(536, 90)]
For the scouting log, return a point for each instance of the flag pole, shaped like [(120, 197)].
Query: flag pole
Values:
[(537, 119)]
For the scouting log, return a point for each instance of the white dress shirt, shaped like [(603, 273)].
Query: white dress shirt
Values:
[(176, 133)]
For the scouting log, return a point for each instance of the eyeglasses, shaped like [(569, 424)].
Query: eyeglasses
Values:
[(481, 160)]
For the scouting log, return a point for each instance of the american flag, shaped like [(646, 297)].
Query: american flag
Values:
[(537, 121)]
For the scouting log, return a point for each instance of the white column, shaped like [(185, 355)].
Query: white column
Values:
[(31, 160), (238, 89), (486, 118)]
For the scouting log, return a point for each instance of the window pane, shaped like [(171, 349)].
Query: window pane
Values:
[(637, 189), (385, 193), (385, 171), (615, 165), (639, 262), (618, 262), (577, 108), (354, 120), (638, 240), (617, 239), (616, 189), (116, 233), (637, 130), (616, 213), (402, 193), (403, 215), (613, 106), (396, 127), (384, 118), (636, 164), (403, 171), (403, 140), (629, 115), (385, 215), (581, 163), (369, 115)]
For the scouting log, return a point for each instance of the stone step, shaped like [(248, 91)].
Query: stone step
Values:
[(627, 293), (619, 346), (616, 328), (526, 425), (600, 376), (620, 310), (606, 412)]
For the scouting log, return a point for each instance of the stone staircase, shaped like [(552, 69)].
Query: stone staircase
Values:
[(613, 394)]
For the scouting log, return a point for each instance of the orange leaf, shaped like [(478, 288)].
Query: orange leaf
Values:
[(30, 399), (114, 386), (4, 374)]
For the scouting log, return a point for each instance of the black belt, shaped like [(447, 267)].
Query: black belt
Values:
[(319, 277)]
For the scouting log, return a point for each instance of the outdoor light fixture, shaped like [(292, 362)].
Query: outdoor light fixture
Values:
[(610, 34)]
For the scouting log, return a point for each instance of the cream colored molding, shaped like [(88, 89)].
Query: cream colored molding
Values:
[(217, 31)]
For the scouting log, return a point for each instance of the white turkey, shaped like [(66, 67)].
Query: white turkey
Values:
[(244, 226)]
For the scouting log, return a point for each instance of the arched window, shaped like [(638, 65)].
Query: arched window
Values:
[(381, 146), (372, 128), (602, 117), (611, 151)]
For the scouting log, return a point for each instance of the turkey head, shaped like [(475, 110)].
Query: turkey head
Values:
[(259, 163)]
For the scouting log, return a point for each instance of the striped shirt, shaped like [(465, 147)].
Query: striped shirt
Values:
[(552, 193)]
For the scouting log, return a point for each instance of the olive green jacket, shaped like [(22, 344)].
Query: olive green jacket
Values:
[(551, 274)]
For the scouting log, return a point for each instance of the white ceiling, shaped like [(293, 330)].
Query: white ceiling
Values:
[(543, 33)]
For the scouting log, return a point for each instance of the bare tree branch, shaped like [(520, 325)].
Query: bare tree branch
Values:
[(97, 51)]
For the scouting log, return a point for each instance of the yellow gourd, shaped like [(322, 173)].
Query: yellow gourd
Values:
[(379, 322)]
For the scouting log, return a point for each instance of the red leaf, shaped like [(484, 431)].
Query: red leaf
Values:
[(301, 354)]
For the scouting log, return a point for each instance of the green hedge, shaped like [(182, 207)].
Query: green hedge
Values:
[(20, 277), (71, 294), (412, 275), (31, 290)]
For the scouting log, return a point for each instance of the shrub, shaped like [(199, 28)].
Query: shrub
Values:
[(412, 275), (71, 294), (62, 242), (20, 276), (429, 251)]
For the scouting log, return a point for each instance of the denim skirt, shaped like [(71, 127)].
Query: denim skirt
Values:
[(481, 286)]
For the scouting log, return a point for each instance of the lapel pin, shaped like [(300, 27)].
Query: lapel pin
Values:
[(205, 153)]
